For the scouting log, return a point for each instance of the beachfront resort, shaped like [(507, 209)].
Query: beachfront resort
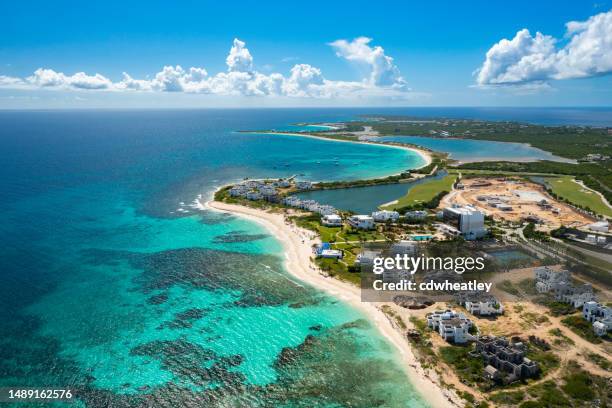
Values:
[(544, 250)]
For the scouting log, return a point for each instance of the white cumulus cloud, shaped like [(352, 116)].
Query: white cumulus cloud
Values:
[(241, 77), (239, 58), (527, 59), (383, 72), (80, 80)]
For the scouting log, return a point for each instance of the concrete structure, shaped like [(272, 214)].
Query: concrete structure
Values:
[(453, 326), (254, 195), (469, 221), (600, 226), (303, 185), (600, 315), (331, 220), (366, 257), (559, 284), (415, 215), (448, 230), (479, 303), (404, 247), (546, 278), (504, 361), (331, 253), (361, 221), (309, 205), (384, 216)]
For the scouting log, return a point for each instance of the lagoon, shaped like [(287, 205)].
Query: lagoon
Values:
[(468, 150), (362, 200)]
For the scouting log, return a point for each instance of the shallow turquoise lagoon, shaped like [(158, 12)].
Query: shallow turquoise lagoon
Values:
[(466, 150)]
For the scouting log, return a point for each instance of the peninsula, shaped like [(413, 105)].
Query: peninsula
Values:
[(544, 214)]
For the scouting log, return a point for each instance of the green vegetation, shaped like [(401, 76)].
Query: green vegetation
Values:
[(546, 395), (338, 270), (426, 355), (561, 339), (405, 176), (508, 287), (565, 187), (581, 327), (468, 368), (528, 286), (530, 232), (602, 362), (559, 308), (578, 386), (575, 388), (394, 316), (508, 398), (425, 195)]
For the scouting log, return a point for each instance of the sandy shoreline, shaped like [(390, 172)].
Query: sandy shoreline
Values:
[(297, 244), (424, 154)]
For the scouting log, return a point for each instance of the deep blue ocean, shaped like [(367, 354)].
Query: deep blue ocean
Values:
[(112, 282)]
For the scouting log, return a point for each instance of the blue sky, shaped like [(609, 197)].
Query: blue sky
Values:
[(435, 46)]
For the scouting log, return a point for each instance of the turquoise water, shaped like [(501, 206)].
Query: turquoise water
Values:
[(115, 284), (362, 200), (320, 159), (466, 150), (422, 237), (508, 257)]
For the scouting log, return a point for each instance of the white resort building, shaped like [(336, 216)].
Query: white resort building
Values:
[(469, 221), (415, 215), (331, 220), (361, 221), (303, 185), (384, 216), (600, 315), (454, 327), (559, 284)]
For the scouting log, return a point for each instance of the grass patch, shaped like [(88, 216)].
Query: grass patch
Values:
[(338, 270), (559, 308), (565, 187), (561, 339), (545, 359), (602, 362), (528, 286), (578, 386), (507, 398), (581, 327), (508, 287), (394, 316), (424, 192), (546, 395), (468, 368)]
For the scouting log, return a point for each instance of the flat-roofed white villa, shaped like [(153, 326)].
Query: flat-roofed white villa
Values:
[(384, 216), (361, 221), (331, 220), (453, 326)]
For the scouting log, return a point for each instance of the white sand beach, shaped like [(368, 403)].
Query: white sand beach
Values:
[(297, 244)]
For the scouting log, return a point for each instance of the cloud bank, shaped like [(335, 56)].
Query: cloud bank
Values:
[(528, 60), (241, 79)]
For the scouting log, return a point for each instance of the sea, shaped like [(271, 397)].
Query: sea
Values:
[(117, 283)]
